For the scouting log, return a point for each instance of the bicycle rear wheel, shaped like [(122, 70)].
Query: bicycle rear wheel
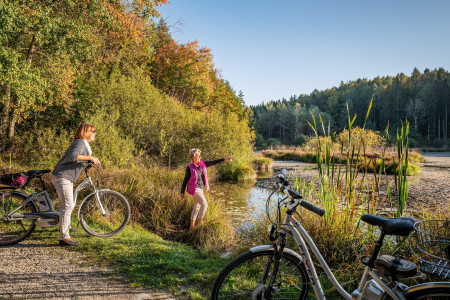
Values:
[(435, 291), (12, 232), (248, 275), (116, 217)]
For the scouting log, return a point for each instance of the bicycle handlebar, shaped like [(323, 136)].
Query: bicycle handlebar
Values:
[(90, 165), (312, 208), (296, 196)]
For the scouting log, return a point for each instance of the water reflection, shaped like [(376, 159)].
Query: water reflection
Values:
[(244, 202)]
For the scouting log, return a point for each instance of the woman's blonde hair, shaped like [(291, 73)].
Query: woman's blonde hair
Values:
[(194, 152), (83, 130)]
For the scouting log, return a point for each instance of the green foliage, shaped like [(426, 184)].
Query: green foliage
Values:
[(301, 140), (44, 147), (261, 163), (111, 146), (237, 171), (420, 97), (273, 142), (370, 138), (162, 127)]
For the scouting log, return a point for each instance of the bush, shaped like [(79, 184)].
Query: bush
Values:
[(260, 142), (301, 140), (273, 142), (236, 171), (261, 163)]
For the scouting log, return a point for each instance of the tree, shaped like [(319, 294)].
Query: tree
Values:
[(415, 109)]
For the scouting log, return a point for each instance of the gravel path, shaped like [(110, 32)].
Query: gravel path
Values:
[(430, 189), (35, 270)]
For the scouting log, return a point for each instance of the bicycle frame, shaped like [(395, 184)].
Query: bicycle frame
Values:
[(46, 217), (85, 184)]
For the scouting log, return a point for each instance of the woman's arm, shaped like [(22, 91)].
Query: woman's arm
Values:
[(92, 159), (209, 163), (187, 176)]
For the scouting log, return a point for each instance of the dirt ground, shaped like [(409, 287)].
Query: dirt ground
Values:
[(35, 270), (429, 189)]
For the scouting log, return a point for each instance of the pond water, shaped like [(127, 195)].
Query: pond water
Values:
[(244, 202)]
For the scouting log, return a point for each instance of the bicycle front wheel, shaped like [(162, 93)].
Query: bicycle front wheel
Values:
[(247, 276), (110, 222), (12, 232)]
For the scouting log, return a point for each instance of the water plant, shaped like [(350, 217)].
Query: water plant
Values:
[(401, 181)]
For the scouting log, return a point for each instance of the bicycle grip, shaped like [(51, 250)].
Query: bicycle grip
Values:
[(312, 208)]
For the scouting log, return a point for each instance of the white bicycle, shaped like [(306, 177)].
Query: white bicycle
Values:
[(276, 272)]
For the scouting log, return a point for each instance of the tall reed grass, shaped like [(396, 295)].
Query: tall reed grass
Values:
[(154, 195)]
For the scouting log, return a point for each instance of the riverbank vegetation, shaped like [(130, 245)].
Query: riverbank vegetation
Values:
[(375, 157)]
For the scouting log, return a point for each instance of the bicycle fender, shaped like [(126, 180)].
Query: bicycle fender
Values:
[(84, 200), (427, 285), (21, 194), (270, 247)]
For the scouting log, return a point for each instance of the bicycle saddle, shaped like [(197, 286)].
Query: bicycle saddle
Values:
[(391, 226), (37, 172)]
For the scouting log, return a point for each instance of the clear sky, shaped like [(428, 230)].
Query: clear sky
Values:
[(271, 50)]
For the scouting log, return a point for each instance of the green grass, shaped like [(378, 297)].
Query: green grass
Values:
[(148, 260)]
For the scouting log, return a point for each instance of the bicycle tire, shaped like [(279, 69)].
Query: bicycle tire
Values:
[(242, 277), (117, 214), (432, 293), (13, 232)]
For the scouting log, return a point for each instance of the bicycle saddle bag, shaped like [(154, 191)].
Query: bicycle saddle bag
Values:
[(395, 267)]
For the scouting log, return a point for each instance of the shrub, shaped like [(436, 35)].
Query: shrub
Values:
[(273, 142), (301, 140)]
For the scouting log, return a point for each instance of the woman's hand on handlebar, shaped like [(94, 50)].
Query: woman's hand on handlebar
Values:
[(95, 161)]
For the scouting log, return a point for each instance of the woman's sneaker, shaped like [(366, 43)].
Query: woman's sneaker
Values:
[(68, 243)]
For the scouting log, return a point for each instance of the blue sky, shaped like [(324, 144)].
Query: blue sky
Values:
[(274, 49)]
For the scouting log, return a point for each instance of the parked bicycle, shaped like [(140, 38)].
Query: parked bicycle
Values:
[(277, 272), (102, 213)]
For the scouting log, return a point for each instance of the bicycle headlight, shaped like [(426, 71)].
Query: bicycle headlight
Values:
[(272, 230)]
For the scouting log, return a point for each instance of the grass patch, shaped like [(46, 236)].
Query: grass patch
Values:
[(262, 164), (148, 260)]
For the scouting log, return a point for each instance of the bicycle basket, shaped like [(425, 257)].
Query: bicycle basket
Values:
[(432, 246)]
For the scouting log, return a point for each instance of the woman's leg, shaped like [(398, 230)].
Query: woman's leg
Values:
[(200, 206), (202, 203), (64, 188)]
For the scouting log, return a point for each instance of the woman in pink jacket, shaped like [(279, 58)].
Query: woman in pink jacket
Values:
[(196, 179)]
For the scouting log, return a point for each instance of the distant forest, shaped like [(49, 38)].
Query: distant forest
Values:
[(422, 99)]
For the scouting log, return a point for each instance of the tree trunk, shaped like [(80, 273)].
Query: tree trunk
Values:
[(446, 123), (439, 128), (5, 113), (12, 127)]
